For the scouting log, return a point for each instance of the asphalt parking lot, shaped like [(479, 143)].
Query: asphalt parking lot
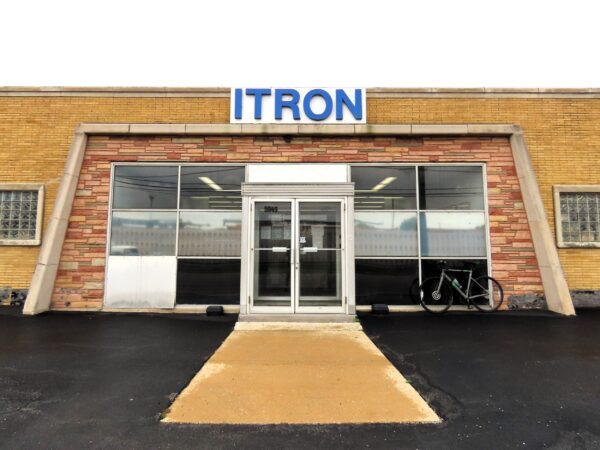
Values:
[(510, 380)]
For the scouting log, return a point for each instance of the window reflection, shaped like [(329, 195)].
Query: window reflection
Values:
[(145, 187), (210, 233), (320, 225), (453, 234), (385, 281), (143, 233), (432, 268), (211, 187), (385, 233), (208, 282), (273, 225), (451, 187), (381, 187)]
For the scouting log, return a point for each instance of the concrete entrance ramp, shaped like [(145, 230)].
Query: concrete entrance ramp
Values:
[(298, 373)]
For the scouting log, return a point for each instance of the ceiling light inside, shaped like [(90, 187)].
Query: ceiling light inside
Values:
[(210, 183), (383, 183)]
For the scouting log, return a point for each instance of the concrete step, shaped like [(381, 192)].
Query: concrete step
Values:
[(303, 318)]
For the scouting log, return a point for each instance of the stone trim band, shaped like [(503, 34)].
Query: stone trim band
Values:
[(67, 91)]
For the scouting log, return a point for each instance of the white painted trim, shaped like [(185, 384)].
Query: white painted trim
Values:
[(192, 129), (488, 237), (44, 276), (556, 290), (293, 198)]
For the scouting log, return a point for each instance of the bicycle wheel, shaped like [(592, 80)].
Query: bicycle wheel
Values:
[(413, 291), (431, 299), (488, 294)]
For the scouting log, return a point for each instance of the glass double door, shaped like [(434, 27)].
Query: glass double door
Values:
[(297, 256)]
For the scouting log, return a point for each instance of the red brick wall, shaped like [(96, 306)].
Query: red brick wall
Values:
[(80, 279)]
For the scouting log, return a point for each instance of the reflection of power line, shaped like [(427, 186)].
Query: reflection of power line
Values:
[(164, 186), (123, 173), (130, 172), (187, 171), (142, 187)]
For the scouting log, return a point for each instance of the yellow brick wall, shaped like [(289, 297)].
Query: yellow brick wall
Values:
[(563, 137)]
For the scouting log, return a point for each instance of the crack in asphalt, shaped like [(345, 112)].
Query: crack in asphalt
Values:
[(445, 404)]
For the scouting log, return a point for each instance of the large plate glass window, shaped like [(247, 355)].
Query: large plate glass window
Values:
[(210, 232), (384, 188), (385, 230), (208, 281), (141, 268), (385, 280), (451, 187), (407, 218), (202, 232), (385, 233), (453, 233), (145, 187), (211, 187), (143, 233)]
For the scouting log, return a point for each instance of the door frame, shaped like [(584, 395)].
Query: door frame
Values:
[(249, 252), (247, 291), (343, 298)]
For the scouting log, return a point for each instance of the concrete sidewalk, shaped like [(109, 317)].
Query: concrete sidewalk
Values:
[(299, 373)]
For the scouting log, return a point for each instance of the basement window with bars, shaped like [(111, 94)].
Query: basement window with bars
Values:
[(20, 214), (577, 210)]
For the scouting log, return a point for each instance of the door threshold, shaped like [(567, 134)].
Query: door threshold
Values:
[(305, 318)]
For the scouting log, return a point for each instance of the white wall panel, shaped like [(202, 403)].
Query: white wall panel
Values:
[(141, 282), (297, 173)]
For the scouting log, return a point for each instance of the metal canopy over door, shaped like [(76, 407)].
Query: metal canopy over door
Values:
[(297, 255)]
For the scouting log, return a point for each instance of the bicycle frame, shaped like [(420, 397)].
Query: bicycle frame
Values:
[(466, 294), (445, 276)]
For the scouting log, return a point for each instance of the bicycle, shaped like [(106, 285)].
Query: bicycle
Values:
[(436, 293)]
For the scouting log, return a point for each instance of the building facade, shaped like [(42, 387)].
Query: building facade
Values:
[(151, 199)]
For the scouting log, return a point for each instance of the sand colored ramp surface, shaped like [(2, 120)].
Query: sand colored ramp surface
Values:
[(296, 373)]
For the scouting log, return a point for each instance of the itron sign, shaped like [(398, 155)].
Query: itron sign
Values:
[(298, 105)]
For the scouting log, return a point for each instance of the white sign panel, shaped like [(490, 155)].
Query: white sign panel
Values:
[(298, 105), (297, 173)]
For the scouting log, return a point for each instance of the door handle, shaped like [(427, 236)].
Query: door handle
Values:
[(310, 249), (279, 249)]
